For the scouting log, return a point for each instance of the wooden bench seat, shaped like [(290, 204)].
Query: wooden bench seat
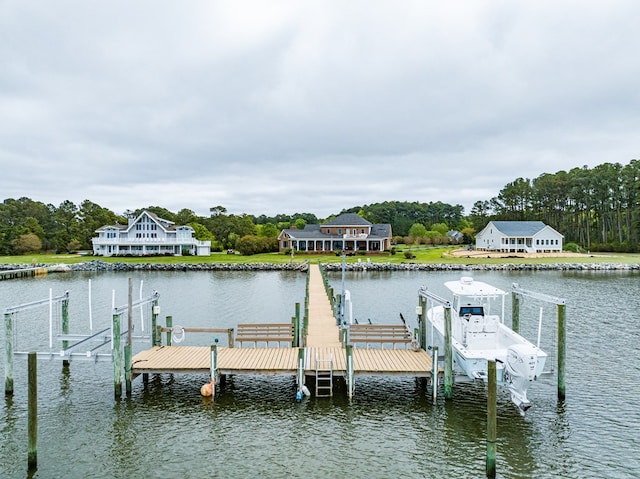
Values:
[(264, 333), (380, 334)]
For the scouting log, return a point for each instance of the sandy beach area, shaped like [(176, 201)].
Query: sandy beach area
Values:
[(465, 253)]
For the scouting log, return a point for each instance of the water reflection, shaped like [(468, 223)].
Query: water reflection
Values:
[(391, 428)]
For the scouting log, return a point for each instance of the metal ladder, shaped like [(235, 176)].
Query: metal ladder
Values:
[(324, 377)]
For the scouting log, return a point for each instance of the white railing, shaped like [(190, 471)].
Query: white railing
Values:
[(143, 241), (355, 236)]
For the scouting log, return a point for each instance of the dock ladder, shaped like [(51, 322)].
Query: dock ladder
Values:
[(324, 377)]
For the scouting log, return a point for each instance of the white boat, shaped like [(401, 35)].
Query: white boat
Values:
[(479, 334)]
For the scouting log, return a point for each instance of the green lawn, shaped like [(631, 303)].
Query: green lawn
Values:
[(433, 255)]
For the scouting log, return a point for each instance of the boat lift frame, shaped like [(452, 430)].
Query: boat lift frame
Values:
[(424, 295), (72, 342), (516, 293)]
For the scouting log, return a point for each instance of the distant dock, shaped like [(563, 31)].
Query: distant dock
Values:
[(23, 273)]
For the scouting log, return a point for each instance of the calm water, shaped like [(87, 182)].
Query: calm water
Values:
[(390, 429)]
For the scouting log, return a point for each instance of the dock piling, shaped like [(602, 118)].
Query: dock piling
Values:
[(65, 325), (300, 378), (434, 372), (214, 368), (297, 338), (127, 347), (117, 357), (231, 338), (155, 311), (8, 347), (562, 349), (422, 320), (350, 385), (491, 419), (32, 420), (169, 325), (515, 312), (127, 369), (448, 354)]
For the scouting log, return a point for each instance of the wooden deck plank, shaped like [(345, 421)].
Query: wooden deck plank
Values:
[(391, 361), (194, 358), (322, 328)]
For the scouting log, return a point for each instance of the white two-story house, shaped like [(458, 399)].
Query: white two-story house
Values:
[(519, 237), (148, 235)]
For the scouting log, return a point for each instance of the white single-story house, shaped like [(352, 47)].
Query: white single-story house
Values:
[(148, 234), (519, 237), (346, 232)]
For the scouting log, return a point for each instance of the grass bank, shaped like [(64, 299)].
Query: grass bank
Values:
[(425, 255)]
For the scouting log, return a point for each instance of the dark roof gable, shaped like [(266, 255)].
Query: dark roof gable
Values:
[(347, 219)]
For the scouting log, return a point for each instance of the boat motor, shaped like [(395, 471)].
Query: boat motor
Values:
[(519, 369)]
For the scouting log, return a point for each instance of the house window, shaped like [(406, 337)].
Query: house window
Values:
[(339, 231)]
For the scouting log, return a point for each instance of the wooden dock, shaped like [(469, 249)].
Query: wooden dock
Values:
[(23, 273), (197, 359), (322, 343)]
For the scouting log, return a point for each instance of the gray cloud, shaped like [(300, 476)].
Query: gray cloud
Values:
[(285, 107)]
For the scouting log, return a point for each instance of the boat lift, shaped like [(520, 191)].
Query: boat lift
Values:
[(517, 292), (77, 346), (425, 297)]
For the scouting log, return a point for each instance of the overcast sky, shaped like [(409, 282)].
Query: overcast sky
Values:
[(268, 107)]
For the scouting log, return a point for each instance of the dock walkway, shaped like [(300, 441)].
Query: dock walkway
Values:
[(322, 342)]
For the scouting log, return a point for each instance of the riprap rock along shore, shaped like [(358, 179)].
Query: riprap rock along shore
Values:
[(97, 265)]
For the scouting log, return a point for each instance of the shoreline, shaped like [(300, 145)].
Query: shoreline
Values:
[(97, 266)]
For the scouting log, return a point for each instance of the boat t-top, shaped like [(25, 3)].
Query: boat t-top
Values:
[(478, 334)]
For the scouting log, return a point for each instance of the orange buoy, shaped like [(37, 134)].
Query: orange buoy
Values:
[(206, 390)]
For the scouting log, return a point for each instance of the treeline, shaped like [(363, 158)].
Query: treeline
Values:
[(597, 208), (28, 226)]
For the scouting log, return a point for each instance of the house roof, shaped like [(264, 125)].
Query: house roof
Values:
[(164, 224), (347, 219), (314, 231), (519, 228), (382, 230)]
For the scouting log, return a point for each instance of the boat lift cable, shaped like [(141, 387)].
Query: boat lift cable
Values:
[(541, 296)]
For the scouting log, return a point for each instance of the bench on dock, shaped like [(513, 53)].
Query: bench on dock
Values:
[(265, 333), (380, 334)]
